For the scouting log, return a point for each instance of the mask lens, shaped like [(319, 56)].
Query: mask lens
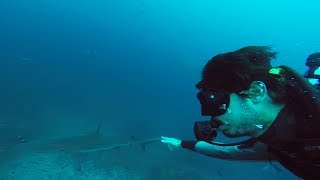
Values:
[(213, 103)]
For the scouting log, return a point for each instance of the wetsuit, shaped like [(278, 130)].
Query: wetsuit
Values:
[(287, 145)]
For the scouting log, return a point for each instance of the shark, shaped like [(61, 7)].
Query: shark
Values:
[(90, 142), (76, 147), (85, 143)]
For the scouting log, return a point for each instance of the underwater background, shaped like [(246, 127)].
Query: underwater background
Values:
[(69, 66)]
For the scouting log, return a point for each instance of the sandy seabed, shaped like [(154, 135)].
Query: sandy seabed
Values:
[(156, 163)]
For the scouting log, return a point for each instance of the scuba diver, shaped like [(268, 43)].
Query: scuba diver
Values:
[(313, 73), (275, 106)]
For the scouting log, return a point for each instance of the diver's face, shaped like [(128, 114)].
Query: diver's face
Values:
[(240, 118)]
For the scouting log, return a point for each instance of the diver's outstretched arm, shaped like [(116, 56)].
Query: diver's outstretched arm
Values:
[(256, 152)]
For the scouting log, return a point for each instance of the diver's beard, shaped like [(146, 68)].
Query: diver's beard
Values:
[(230, 135), (247, 118), (233, 132), (225, 129)]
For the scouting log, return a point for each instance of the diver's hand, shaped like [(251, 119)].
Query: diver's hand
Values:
[(171, 141)]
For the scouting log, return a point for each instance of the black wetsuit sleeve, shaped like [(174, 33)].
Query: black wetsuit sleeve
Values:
[(189, 144)]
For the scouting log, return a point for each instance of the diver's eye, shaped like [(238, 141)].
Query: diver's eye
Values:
[(211, 96)]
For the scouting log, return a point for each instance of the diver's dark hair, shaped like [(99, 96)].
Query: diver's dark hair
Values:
[(235, 71), (313, 60)]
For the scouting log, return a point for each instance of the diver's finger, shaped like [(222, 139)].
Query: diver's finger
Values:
[(165, 141), (165, 138)]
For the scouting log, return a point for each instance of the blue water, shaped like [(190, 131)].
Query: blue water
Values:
[(133, 64)]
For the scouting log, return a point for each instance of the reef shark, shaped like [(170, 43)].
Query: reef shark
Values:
[(85, 143), (74, 146), (89, 143)]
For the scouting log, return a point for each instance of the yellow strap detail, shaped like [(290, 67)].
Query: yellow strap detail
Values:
[(276, 71)]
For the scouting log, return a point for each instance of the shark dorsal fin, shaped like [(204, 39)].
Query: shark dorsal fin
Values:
[(99, 128)]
